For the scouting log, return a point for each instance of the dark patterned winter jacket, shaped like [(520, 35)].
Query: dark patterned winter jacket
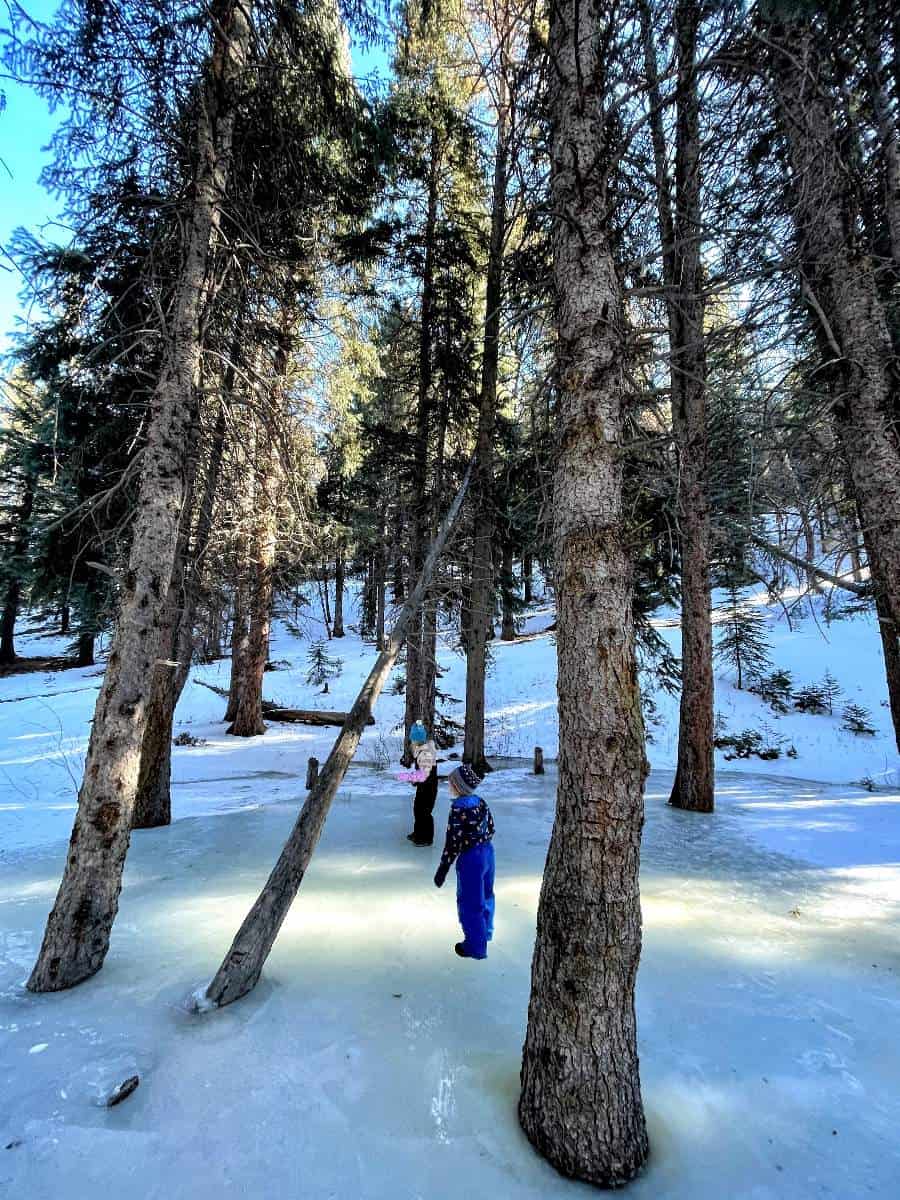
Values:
[(470, 824)]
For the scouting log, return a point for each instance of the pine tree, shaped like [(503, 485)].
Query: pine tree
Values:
[(322, 666), (857, 719), (742, 642)]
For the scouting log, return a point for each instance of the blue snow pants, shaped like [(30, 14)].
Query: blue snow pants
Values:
[(475, 898)]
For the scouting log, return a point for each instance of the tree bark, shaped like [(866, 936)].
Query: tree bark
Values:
[(580, 1103), (85, 655), (527, 578), (248, 717), (153, 802), (243, 964), (338, 630), (681, 235), (482, 593), (76, 939), (507, 594), (419, 706), (240, 630)]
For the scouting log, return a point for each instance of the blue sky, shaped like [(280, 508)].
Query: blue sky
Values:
[(25, 129)]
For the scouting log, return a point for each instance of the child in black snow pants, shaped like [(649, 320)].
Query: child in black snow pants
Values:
[(425, 755), (470, 829)]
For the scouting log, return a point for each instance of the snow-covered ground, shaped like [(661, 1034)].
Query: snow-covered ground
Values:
[(370, 1061)]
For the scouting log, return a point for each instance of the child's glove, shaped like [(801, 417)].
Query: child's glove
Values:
[(440, 875)]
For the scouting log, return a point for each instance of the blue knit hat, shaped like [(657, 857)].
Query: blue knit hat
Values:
[(418, 735), (465, 779)]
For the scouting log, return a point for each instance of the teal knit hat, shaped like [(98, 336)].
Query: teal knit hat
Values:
[(418, 735)]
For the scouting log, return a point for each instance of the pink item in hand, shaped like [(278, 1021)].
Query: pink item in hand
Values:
[(417, 776)]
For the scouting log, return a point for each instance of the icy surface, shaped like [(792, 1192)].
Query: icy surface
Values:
[(371, 1062)]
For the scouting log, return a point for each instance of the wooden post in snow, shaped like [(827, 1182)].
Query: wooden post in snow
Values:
[(538, 761), (312, 773), (243, 964)]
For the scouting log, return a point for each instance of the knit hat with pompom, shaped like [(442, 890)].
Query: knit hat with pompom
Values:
[(465, 779)]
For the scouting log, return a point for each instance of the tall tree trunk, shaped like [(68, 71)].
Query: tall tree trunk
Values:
[(367, 616), (381, 581), (153, 801), (890, 642), (338, 630), (581, 1097), (248, 719), (15, 568), (681, 235), (482, 593), (76, 939), (85, 653), (508, 595), (419, 706), (240, 630), (65, 618), (527, 578), (839, 287)]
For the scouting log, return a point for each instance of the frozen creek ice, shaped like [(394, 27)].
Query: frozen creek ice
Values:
[(371, 1062)]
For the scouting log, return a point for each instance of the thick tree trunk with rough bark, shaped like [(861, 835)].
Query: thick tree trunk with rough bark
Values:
[(76, 939), (680, 226), (839, 286), (580, 1103), (243, 964)]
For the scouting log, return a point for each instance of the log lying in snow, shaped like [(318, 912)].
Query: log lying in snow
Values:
[(293, 716), (243, 963)]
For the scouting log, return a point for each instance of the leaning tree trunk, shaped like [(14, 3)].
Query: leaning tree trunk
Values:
[(482, 594), (243, 964), (680, 227), (580, 1103), (76, 939), (839, 287)]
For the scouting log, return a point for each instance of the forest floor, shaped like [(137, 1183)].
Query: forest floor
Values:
[(370, 1062)]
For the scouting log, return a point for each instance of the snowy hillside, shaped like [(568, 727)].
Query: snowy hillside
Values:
[(45, 718), (370, 1062)]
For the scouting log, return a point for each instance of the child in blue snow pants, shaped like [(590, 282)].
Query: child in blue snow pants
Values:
[(470, 831), (475, 898)]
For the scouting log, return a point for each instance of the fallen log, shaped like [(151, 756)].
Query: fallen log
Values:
[(292, 716), (243, 964)]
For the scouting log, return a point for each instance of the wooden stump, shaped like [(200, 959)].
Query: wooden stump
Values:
[(312, 773), (538, 761)]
